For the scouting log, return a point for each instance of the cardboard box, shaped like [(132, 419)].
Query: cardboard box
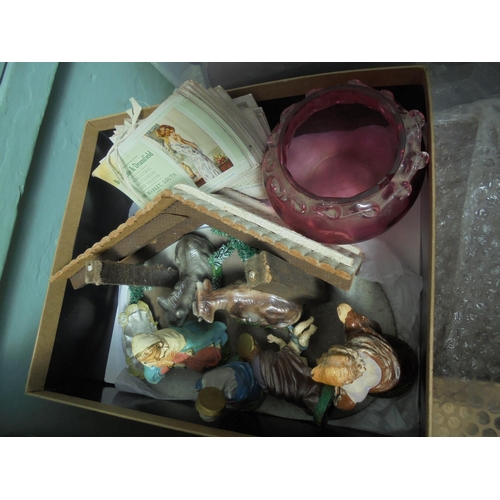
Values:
[(73, 341)]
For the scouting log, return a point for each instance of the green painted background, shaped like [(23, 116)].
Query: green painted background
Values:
[(43, 110)]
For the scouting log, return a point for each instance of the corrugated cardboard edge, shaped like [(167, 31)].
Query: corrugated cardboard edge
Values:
[(138, 416), (55, 293), (429, 252), (375, 77)]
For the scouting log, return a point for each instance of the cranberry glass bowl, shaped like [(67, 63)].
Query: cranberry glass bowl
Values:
[(344, 164)]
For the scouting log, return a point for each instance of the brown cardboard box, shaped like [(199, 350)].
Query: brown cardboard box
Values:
[(75, 330)]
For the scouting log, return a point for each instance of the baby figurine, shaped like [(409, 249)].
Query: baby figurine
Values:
[(299, 338), (343, 377)]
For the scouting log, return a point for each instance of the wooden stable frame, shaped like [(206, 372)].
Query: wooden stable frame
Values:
[(174, 213)]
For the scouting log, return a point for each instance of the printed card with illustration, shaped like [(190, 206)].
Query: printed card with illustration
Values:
[(193, 139)]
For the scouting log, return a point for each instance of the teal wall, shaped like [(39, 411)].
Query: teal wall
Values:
[(24, 93), (43, 110)]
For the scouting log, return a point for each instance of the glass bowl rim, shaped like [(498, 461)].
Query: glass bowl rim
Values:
[(391, 107)]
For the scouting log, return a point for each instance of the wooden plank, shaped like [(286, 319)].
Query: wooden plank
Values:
[(105, 272), (130, 244), (270, 274), (141, 237), (134, 250), (122, 232), (184, 226)]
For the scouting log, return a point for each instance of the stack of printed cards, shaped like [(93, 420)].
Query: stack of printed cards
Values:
[(199, 137)]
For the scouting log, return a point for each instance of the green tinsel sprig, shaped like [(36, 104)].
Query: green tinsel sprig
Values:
[(216, 260)]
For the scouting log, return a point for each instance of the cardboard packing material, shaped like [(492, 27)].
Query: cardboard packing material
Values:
[(59, 374)]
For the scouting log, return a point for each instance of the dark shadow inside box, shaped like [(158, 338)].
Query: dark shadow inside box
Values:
[(85, 325), (408, 96), (83, 337), (244, 422), (105, 207)]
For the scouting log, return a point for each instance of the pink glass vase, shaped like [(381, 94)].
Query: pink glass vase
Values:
[(344, 164)]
